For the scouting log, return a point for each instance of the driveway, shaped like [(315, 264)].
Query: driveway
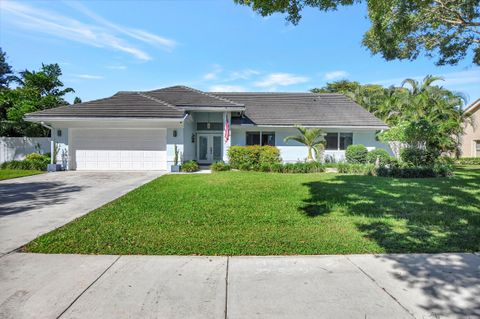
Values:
[(355, 286), (34, 205)]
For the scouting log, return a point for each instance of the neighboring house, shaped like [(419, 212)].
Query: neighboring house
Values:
[(138, 130), (470, 140)]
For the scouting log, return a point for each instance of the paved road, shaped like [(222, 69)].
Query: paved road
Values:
[(354, 286), (33, 205)]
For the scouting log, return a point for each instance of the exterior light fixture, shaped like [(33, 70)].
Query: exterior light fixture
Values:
[(174, 133), (193, 138)]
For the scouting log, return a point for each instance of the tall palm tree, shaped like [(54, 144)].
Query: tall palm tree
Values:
[(312, 138)]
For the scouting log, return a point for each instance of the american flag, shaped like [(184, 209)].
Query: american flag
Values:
[(227, 129)]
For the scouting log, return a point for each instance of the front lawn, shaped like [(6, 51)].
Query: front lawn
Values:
[(14, 173), (250, 213)]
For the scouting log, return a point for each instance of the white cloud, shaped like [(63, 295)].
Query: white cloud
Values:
[(117, 67), (280, 79), (242, 74), (88, 76), (227, 88), (333, 75), (212, 75), (103, 35)]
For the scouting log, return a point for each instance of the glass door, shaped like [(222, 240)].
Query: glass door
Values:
[(209, 148)]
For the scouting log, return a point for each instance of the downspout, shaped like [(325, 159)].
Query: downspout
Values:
[(52, 142)]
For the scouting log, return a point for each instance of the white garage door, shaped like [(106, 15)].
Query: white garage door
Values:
[(119, 149)]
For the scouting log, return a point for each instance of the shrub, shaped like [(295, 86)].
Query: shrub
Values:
[(303, 167), (356, 154), (439, 170), (246, 157), (33, 161), (190, 166), (220, 167), (468, 161), (381, 154), (417, 157), (357, 169)]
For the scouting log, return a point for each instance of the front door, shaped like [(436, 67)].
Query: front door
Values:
[(209, 148)]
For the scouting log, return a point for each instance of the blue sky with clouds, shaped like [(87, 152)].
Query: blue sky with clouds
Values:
[(108, 46)]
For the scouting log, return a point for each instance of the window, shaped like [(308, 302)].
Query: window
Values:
[(346, 139), (202, 126), (331, 141), (338, 141), (261, 138)]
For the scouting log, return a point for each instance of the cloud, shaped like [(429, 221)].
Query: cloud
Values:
[(280, 79), (242, 74), (103, 35), (227, 88), (333, 75), (88, 76), (217, 69), (117, 67)]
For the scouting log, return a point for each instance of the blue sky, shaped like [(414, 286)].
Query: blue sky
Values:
[(108, 46)]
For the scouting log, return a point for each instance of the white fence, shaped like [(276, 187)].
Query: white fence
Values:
[(16, 148)]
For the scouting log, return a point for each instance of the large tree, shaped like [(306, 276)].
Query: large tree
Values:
[(36, 90), (403, 29), (6, 73)]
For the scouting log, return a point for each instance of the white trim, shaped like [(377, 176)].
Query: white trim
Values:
[(209, 109), (316, 126)]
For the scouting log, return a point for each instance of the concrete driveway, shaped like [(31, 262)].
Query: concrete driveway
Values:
[(33, 205), (355, 286)]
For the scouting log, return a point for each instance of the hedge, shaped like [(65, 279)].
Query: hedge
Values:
[(468, 161), (246, 157), (33, 161), (440, 170)]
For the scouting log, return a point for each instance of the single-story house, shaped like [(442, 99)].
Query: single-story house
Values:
[(470, 140), (139, 130)]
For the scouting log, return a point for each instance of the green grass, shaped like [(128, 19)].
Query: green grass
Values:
[(14, 173), (250, 213)]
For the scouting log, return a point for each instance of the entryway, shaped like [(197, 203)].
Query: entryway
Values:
[(209, 148)]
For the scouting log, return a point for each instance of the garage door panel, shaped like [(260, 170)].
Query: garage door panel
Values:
[(117, 149)]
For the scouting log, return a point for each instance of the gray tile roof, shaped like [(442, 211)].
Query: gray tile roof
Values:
[(302, 109), (122, 104), (260, 108)]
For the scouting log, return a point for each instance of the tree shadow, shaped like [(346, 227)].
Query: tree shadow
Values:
[(21, 197), (432, 215)]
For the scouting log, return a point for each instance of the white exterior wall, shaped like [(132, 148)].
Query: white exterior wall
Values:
[(293, 151), (16, 148), (171, 142)]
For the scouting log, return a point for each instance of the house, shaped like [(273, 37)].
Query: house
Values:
[(470, 140), (139, 130)]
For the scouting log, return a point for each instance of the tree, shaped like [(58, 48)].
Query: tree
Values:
[(77, 100), (402, 29), (312, 138), (6, 74), (37, 90)]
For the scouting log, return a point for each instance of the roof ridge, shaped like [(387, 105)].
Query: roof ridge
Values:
[(157, 100), (211, 95), (283, 93)]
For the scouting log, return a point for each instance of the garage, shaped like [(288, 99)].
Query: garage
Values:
[(118, 149)]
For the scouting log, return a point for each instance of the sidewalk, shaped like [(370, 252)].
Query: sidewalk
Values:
[(352, 286)]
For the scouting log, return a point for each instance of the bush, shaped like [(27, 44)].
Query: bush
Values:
[(382, 155), (219, 167), (356, 154), (417, 157), (357, 169), (33, 161), (303, 167), (246, 157), (190, 166), (438, 170), (468, 161)]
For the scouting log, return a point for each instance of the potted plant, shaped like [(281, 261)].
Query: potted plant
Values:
[(175, 167)]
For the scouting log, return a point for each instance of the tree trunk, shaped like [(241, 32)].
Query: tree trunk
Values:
[(309, 156)]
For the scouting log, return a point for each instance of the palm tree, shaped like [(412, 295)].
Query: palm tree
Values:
[(312, 138)]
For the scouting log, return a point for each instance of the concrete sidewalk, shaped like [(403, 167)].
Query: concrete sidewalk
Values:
[(352, 286)]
